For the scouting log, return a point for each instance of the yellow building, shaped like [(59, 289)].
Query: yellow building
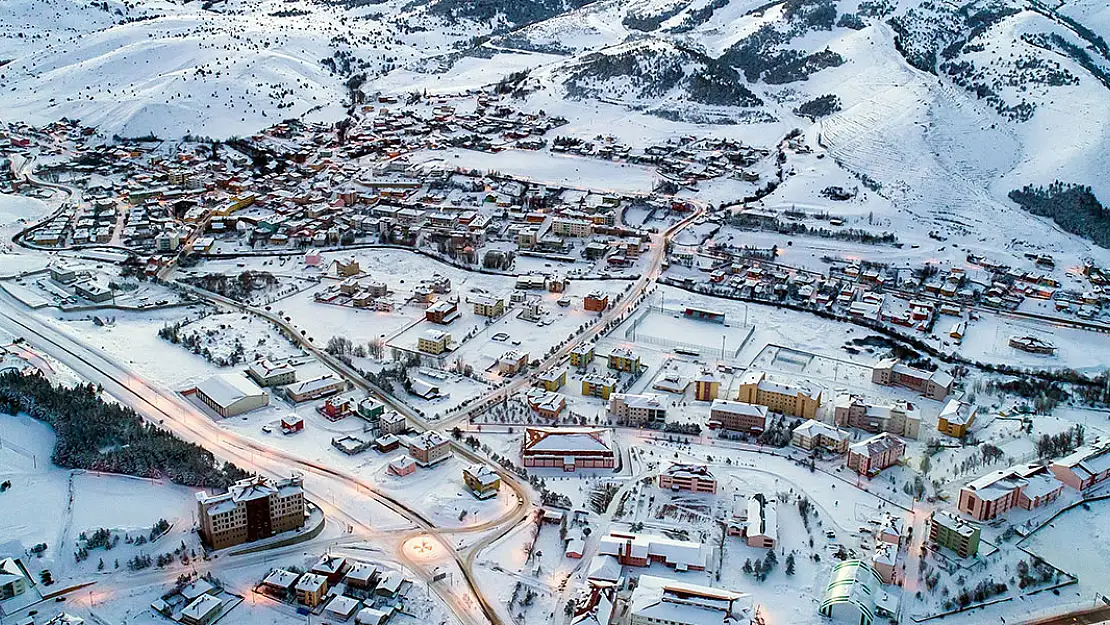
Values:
[(956, 418), (553, 380), (433, 341), (624, 359), (482, 481), (787, 399), (707, 387), (488, 306), (598, 386), (582, 355)]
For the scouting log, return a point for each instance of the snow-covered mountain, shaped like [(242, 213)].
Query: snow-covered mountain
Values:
[(941, 108)]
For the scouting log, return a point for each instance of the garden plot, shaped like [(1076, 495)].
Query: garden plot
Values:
[(256, 281), (361, 326)]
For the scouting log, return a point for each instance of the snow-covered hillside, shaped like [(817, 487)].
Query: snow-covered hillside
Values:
[(939, 109)]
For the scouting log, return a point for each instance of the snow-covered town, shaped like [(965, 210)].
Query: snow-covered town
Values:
[(631, 312)]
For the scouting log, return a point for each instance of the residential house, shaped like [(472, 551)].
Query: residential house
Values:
[(482, 481), (956, 418), (429, 448)]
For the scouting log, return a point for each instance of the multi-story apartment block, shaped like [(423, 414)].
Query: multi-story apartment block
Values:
[(429, 448), (433, 341), (871, 456), (695, 478), (795, 400), (931, 384), (598, 385), (596, 301), (553, 379), (568, 227), (637, 410), (899, 417), (948, 530), (1024, 486), (252, 509), (707, 387), (582, 355), (487, 306), (1085, 467), (624, 359), (737, 416)]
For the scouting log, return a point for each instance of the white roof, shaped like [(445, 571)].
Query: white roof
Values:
[(647, 400), (370, 616), (314, 384), (201, 607), (228, 388), (813, 428), (280, 578), (10, 571), (682, 554), (567, 440), (485, 475), (263, 368), (668, 601), (311, 582), (428, 440), (343, 606), (763, 518), (1087, 461), (605, 568), (738, 408), (957, 412)]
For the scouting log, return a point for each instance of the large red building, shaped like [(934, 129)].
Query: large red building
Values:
[(1024, 486), (568, 448)]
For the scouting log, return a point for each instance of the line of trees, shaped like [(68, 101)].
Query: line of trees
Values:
[(95, 435)]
